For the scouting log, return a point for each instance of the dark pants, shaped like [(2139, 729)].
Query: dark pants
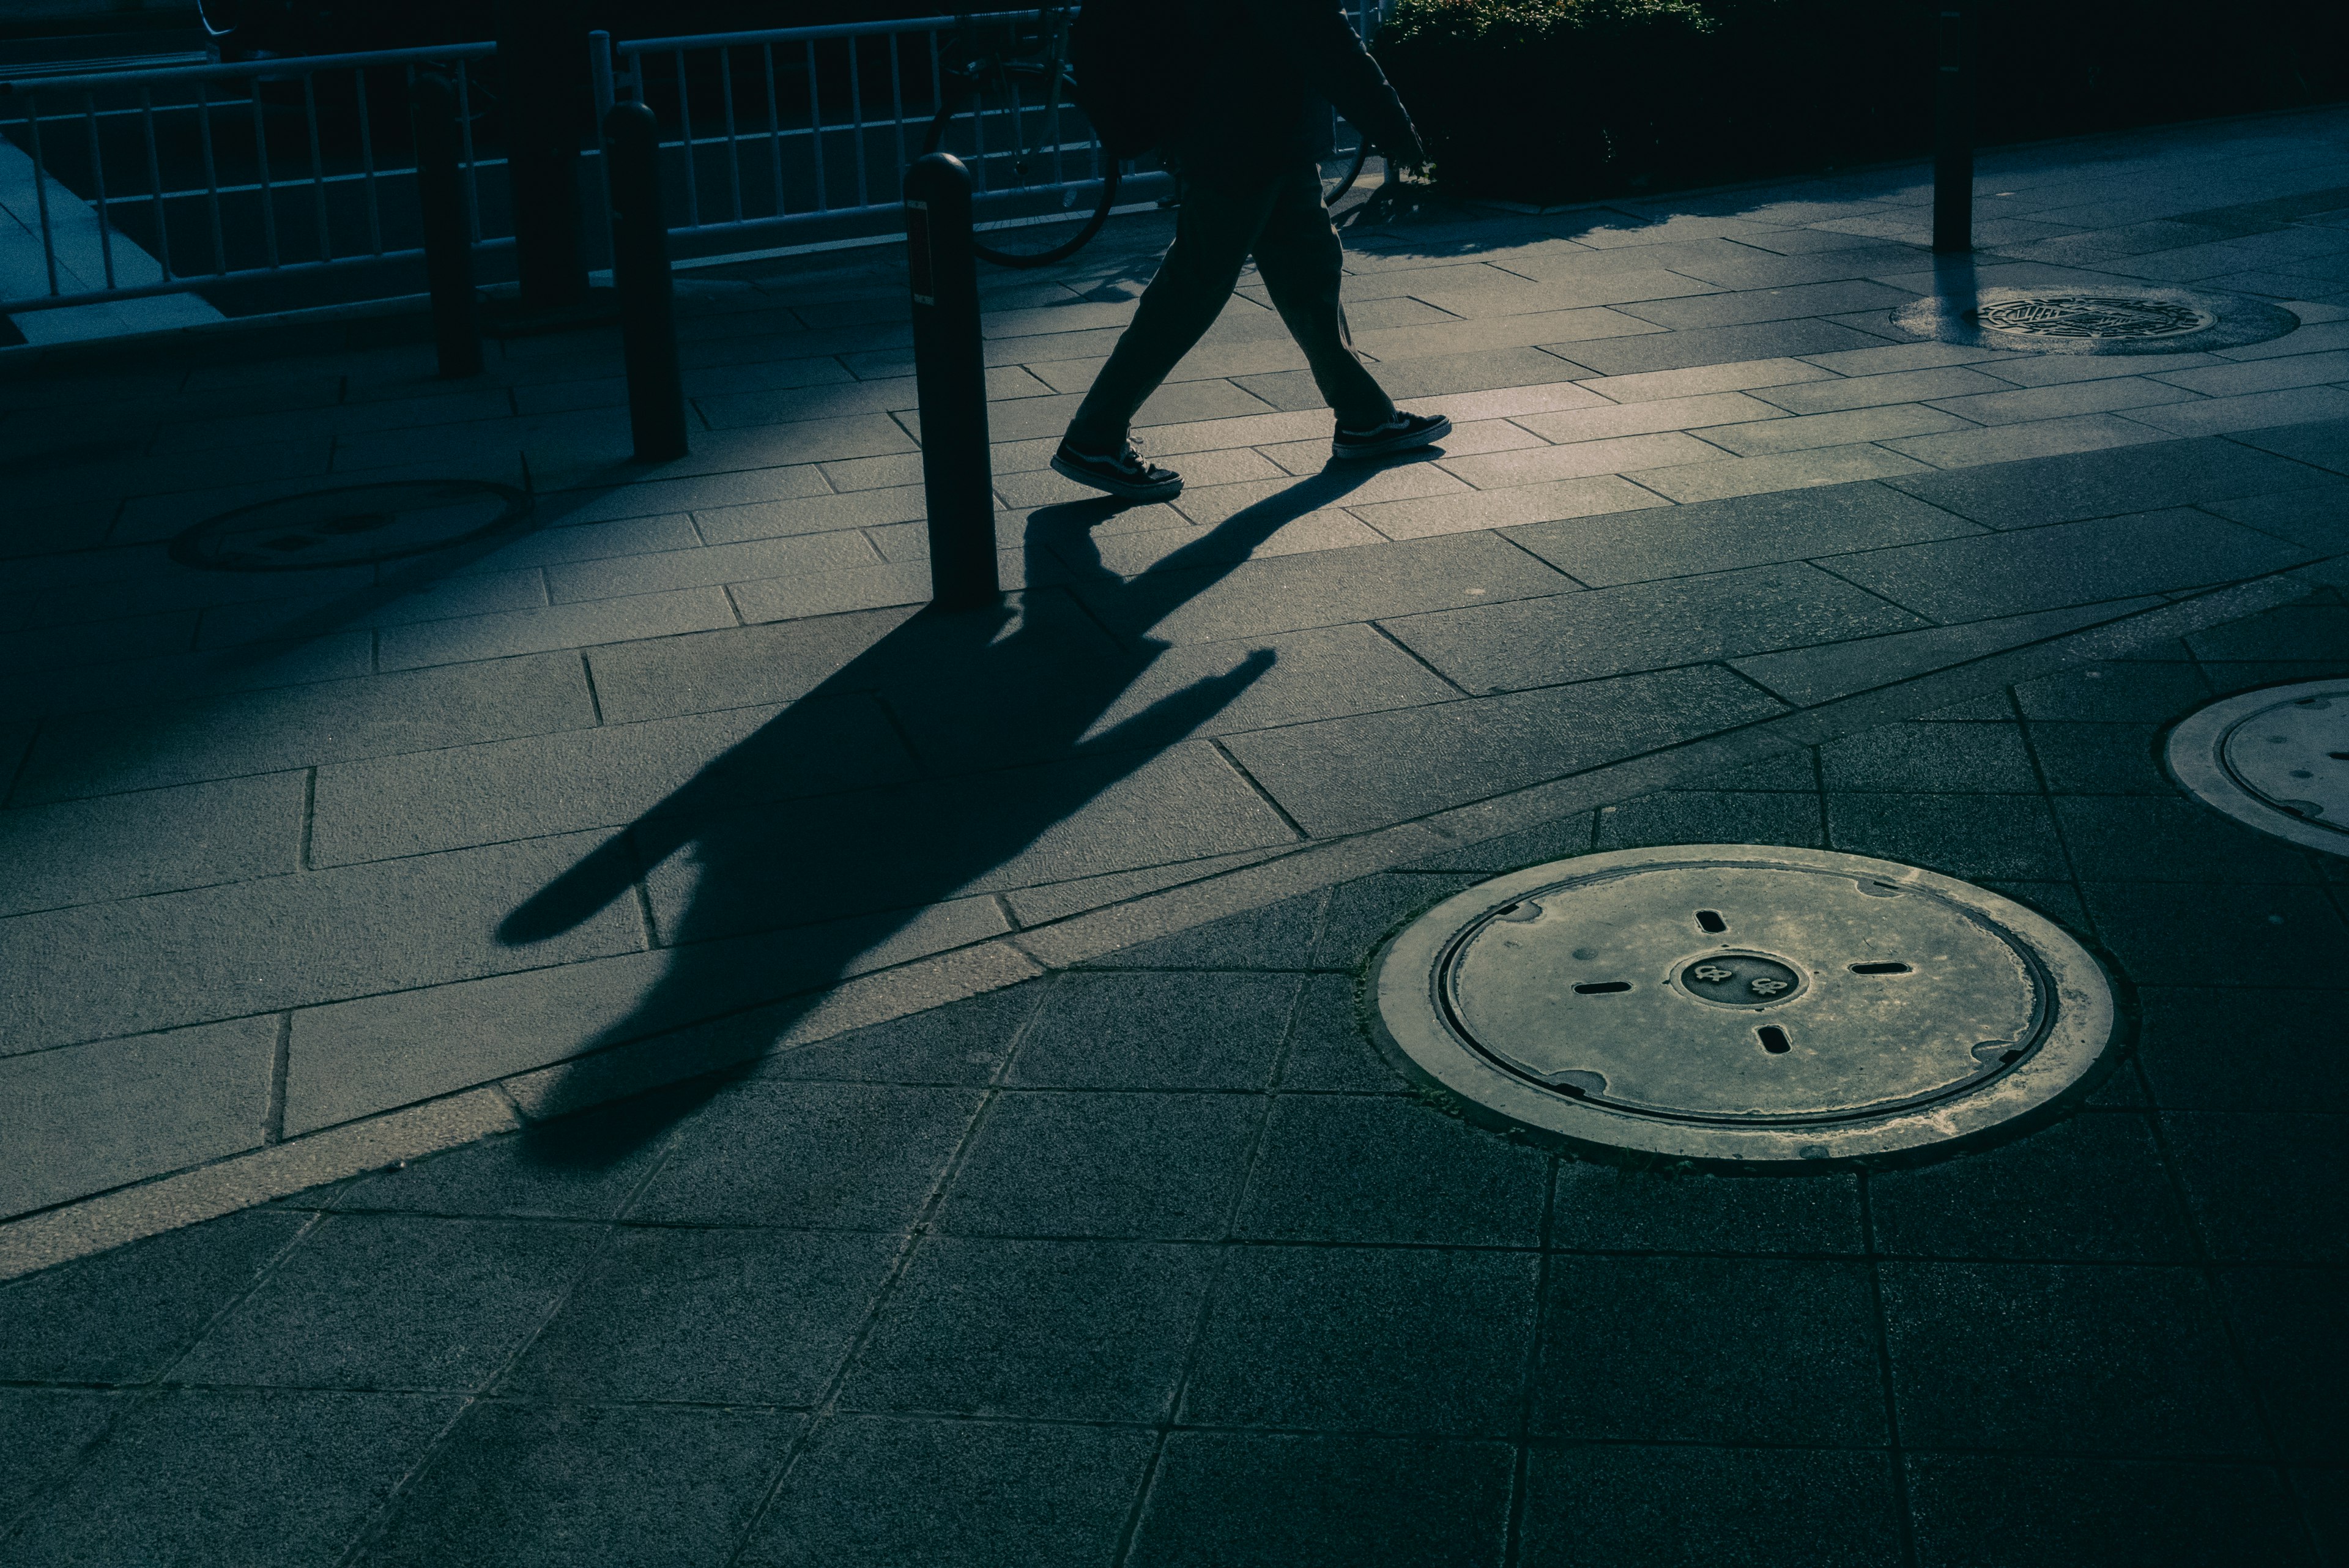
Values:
[(1275, 215)]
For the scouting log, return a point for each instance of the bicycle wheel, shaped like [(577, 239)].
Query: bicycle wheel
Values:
[(1331, 192), (1030, 146)]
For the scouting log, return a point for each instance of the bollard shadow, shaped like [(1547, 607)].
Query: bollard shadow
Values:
[(995, 728)]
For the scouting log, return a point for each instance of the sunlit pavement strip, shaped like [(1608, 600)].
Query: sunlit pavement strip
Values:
[(311, 869)]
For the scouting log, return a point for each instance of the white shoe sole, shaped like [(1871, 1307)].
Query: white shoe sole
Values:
[(1163, 490), (1394, 443)]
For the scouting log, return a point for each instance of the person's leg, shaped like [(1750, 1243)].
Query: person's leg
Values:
[(1214, 231), (1303, 264)]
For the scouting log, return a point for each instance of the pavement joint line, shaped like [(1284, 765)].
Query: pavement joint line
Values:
[(78, 1228)]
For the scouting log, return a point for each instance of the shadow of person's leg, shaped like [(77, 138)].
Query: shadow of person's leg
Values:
[(1299, 256)]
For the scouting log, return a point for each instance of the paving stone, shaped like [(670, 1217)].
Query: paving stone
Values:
[(1709, 1350), (2122, 838), (2113, 692), (1807, 432), (1967, 835), (2252, 410), (1737, 376), (2090, 1189), (1812, 675), (1394, 1340), (2107, 483), (549, 1483), (865, 1156), (1596, 418), (2265, 1187), (2317, 517), (1553, 840), (1686, 1506), (1088, 1331), (1275, 936), (1601, 1208), (1231, 1499), (1328, 1047), (1728, 477), (1864, 392), (1162, 1167), (1389, 1169), (2065, 399), (88, 1118), (584, 1166), (2069, 1357), (1931, 758), (964, 1042), (872, 1493), (1333, 776), (43, 1435), (124, 1316), (472, 1293), (1970, 1510), (197, 1476), (2238, 1050), (2223, 933), (2292, 631), (1708, 817), (1158, 1031), (2287, 1322), (710, 1316), (1720, 310), (1361, 914), (1512, 508), (1707, 345), (2099, 758), (1532, 465), (1744, 531)]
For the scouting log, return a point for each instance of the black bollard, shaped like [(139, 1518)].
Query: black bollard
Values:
[(950, 378), (1953, 133), (640, 270), (546, 111), (440, 194)]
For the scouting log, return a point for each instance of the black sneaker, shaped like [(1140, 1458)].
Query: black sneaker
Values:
[(1402, 432), (1122, 473)]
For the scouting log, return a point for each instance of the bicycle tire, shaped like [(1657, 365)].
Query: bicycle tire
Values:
[(970, 90), (1353, 172)]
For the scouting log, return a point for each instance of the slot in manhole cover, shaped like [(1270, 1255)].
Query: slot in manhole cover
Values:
[(1741, 1002), (2095, 320), (356, 525), (2275, 759)]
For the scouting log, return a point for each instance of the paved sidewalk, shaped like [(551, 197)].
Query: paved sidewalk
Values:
[(1154, 1260), (307, 870)]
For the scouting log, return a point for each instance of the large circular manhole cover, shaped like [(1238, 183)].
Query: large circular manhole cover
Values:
[(2113, 320), (352, 526), (1744, 1003), (2276, 759)]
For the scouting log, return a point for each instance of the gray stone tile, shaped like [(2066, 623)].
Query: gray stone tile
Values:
[(2087, 1359), (1602, 1208), (1970, 1510), (964, 1042), (1389, 1169), (2069, 563), (1709, 817), (1613, 631), (1969, 835), (864, 1156), (1553, 840), (1327, 1048), (2099, 758), (1725, 478), (2137, 839), (547, 1484), (1806, 1509), (2105, 484), (1715, 345), (126, 1315), (1737, 376), (2090, 1189), (2292, 631), (470, 1294), (1807, 432), (264, 731), (2252, 410), (2288, 1323), (1364, 913), (2265, 1187), (709, 1317), (43, 1435), (876, 1492), (713, 564), (196, 1477), (1160, 1167), (2107, 395), (1088, 1331), (1987, 758), (1234, 1498), (511, 632), (2317, 517), (1158, 1031), (2114, 693), (584, 1166), (1864, 392), (1710, 1350), (1598, 419), (88, 1118), (2222, 935), (1617, 454), (2323, 1498), (224, 952), (1744, 531), (1758, 304), (1794, 770), (2240, 1050), (1810, 675), (1520, 504), (1398, 1340), (1334, 776), (1275, 936)]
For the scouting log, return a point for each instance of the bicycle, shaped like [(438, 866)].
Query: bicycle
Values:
[(1021, 86)]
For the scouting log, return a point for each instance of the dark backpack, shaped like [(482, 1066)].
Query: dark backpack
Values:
[(1137, 66)]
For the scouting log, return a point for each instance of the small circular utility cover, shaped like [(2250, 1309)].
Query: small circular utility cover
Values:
[(353, 526), (2095, 320), (2276, 759), (1743, 1004)]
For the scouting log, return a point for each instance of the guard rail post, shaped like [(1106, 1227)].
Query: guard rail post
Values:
[(1953, 131), (447, 256), (950, 381), (640, 272)]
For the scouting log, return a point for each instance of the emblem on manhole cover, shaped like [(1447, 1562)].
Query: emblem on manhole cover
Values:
[(1743, 1004), (2276, 759), (352, 526), (2095, 321)]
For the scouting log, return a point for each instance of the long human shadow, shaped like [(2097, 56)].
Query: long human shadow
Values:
[(762, 897)]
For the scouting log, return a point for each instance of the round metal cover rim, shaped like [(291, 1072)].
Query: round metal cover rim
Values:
[(186, 546), (2235, 320), (1410, 1026), (2196, 756)]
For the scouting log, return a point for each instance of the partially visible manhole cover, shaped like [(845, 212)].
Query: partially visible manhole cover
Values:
[(352, 526), (2095, 320), (2275, 759), (1743, 1003)]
